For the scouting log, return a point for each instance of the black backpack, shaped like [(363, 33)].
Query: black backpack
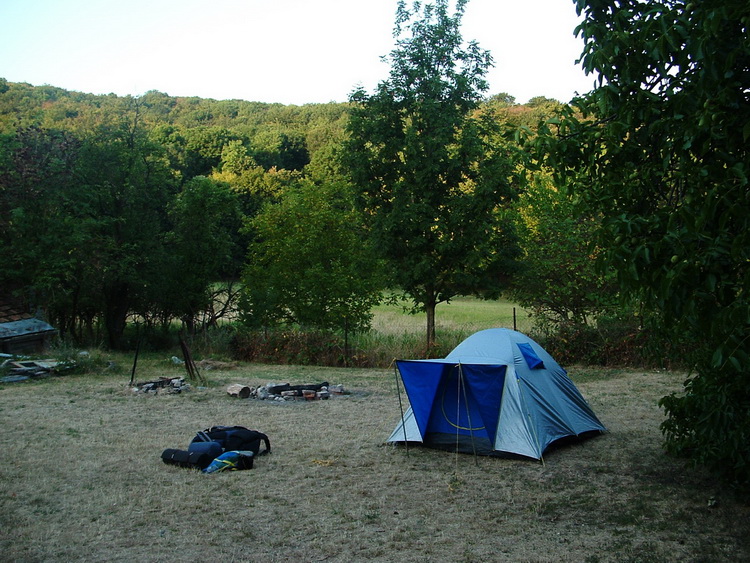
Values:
[(235, 438)]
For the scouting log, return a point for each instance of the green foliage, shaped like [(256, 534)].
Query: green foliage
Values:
[(235, 158), (660, 149), (710, 422), (47, 226), (559, 281), (85, 227), (205, 214), (310, 264), (128, 185), (36, 181), (433, 179), (607, 344), (277, 149), (195, 151), (103, 210), (288, 347)]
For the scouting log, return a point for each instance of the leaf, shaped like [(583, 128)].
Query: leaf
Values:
[(718, 358), (746, 131)]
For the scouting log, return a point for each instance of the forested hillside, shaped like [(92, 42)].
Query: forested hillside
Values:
[(282, 136)]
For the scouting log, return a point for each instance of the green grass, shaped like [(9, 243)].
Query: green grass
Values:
[(463, 314), (397, 334)]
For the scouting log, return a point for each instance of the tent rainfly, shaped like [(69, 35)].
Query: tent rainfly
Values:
[(496, 393)]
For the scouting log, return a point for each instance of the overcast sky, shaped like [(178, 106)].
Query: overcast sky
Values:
[(286, 51)]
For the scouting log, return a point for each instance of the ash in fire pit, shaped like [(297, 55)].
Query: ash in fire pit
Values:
[(286, 392)]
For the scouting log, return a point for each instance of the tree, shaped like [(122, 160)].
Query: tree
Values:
[(128, 186), (280, 149), (661, 150), (43, 223), (432, 178), (82, 222), (559, 282), (100, 216), (235, 158), (310, 264), (200, 247)]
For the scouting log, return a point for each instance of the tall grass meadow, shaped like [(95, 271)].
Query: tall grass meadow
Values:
[(395, 334)]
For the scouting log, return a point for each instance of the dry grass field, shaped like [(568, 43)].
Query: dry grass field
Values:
[(82, 479)]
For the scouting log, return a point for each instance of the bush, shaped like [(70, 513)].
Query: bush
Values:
[(377, 349), (287, 347), (584, 344), (366, 349), (614, 342), (74, 360), (214, 341), (710, 423)]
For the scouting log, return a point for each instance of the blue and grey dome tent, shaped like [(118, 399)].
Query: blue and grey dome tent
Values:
[(498, 392)]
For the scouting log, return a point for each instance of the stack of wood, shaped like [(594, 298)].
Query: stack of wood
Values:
[(21, 370)]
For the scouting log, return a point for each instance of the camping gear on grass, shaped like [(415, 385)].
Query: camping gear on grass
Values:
[(237, 438), (497, 393), (220, 448), (211, 449), (231, 461), (192, 460)]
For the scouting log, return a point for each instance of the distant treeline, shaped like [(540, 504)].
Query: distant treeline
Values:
[(115, 208)]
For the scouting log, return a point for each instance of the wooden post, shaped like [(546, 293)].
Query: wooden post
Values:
[(190, 366)]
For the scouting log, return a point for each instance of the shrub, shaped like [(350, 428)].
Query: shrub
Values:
[(287, 347), (710, 424), (365, 349)]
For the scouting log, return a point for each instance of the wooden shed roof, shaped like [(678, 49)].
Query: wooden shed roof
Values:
[(11, 311)]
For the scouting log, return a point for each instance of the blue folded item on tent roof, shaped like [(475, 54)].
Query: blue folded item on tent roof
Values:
[(531, 357)]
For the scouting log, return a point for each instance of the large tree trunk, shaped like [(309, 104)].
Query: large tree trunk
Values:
[(429, 308), (117, 304)]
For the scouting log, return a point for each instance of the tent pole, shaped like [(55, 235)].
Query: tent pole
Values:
[(401, 407), (468, 414), (458, 419)]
